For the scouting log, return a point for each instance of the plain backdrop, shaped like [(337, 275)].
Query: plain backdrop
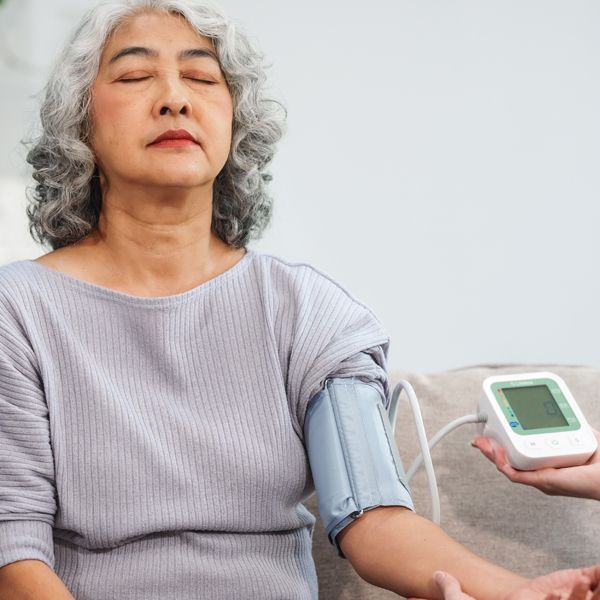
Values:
[(441, 162)]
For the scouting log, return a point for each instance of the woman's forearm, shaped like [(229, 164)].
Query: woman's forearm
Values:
[(31, 580), (395, 549)]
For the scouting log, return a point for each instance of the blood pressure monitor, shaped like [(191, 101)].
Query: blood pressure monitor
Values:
[(536, 419)]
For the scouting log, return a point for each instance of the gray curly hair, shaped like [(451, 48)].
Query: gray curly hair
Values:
[(64, 204)]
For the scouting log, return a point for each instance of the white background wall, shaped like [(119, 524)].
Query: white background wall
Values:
[(441, 163)]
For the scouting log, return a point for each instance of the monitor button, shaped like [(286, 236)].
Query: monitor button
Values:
[(533, 445), (575, 439), (554, 443)]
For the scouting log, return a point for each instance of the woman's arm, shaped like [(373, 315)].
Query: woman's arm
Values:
[(581, 482), (396, 549), (31, 580)]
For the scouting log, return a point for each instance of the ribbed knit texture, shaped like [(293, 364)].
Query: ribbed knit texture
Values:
[(151, 448)]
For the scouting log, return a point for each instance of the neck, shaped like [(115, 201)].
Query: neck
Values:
[(157, 241)]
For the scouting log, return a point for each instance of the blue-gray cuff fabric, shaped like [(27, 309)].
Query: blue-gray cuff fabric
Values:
[(352, 454)]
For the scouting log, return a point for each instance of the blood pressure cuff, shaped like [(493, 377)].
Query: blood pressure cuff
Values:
[(353, 457)]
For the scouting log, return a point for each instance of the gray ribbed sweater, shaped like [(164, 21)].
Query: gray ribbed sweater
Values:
[(151, 448)]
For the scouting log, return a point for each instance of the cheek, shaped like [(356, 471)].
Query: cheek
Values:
[(112, 116), (220, 106), (223, 107)]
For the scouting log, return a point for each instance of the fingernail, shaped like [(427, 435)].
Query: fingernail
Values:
[(472, 443), (439, 576)]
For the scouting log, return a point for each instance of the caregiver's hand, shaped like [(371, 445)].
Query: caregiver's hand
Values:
[(580, 482), (569, 584), (450, 587)]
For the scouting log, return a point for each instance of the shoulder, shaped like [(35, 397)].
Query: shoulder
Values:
[(23, 290), (304, 279), (306, 286), (17, 295), (15, 278)]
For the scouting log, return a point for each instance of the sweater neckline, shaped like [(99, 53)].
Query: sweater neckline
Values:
[(149, 301)]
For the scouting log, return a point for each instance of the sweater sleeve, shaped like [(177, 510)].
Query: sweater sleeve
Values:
[(27, 488), (336, 336)]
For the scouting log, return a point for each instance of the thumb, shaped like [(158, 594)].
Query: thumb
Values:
[(448, 584)]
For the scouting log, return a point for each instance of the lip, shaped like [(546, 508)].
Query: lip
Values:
[(175, 134)]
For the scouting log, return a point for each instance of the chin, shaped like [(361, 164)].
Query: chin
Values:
[(182, 183), (179, 178)]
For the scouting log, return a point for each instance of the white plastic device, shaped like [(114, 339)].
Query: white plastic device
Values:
[(535, 418), (537, 427)]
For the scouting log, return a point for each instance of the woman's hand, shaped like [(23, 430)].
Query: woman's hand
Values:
[(580, 482), (569, 584)]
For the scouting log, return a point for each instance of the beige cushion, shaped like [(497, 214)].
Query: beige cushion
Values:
[(514, 526)]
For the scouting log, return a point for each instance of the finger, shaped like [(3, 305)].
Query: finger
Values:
[(580, 589), (525, 477), (553, 596), (483, 444), (593, 574), (496, 454), (449, 586), (502, 464)]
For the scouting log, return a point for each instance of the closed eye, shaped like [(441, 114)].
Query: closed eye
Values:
[(148, 77), (136, 79), (201, 80)]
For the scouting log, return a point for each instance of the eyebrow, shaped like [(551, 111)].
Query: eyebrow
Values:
[(183, 55)]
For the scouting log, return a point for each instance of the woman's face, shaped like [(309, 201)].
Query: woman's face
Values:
[(157, 74)]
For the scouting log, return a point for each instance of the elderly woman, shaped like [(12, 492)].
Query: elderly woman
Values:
[(155, 371)]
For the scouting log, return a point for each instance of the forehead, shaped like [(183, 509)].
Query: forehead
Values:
[(162, 31)]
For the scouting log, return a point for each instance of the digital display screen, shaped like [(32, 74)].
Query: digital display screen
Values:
[(535, 407)]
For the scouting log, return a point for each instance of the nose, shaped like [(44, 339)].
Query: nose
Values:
[(172, 100), (181, 107)]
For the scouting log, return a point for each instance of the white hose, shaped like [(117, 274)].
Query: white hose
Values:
[(425, 456), (422, 436), (438, 437)]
